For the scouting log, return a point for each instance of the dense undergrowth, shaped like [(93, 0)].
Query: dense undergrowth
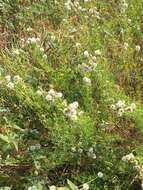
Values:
[(71, 94)]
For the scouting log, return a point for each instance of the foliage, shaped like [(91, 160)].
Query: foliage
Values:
[(71, 95)]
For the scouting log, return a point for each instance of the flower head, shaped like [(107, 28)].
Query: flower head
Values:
[(100, 174), (85, 186), (10, 85), (87, 81), (86, 53)]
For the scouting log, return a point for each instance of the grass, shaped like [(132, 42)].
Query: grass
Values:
[(71, 95)]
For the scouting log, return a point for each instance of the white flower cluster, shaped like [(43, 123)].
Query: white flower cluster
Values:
[(94, 12), (53, 187), (52, 94), (10, 82), (29, 29), (42, 50), (87, 81), (71, 111), (69, 5), (120, 107), (130, 158), (91, 65), (32, 188), (33, 40), (126, 45), (78, 148), (123, 6), (91, 153), (138, 47)]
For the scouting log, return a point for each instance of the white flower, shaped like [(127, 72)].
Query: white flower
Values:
[(39, 92), (93, 10), (100, 174), (133, 106), (80, 150), (74, 105), (113, 107), (91, 155), (138, 48), (53, 187), (129, 109), (129, 20), (91, 150), (86, 53), (29, 29), (142, 185), (120, 112), (73, 149), (94, 58), (87, 81), (52, 95), (92, 65), (71, 112), (126, 45), (52, 92), (59, 95), (44, 56), (87, 1), (85, 186), (32, 188), (17, 78), (42, 49), (97, 52), (38, 39), (80, 8), (33, 40), (49, 97), (73, 117), (120, 104), (16, 51), (94, 156), (128, 158), (53, 37), (76, 3), (8, 78), (10, 85), (77, 44), (68, 5)]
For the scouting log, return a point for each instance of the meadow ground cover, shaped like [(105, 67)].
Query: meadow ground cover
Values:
[(71, 98)]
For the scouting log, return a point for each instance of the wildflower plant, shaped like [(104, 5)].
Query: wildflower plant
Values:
[(71, 95)]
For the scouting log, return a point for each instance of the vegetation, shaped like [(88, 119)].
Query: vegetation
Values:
[(71, 113)]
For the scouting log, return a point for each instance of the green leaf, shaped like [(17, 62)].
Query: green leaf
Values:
[(4, 138), (15, 145)]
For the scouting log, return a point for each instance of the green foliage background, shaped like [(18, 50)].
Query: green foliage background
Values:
[(27, 119)]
